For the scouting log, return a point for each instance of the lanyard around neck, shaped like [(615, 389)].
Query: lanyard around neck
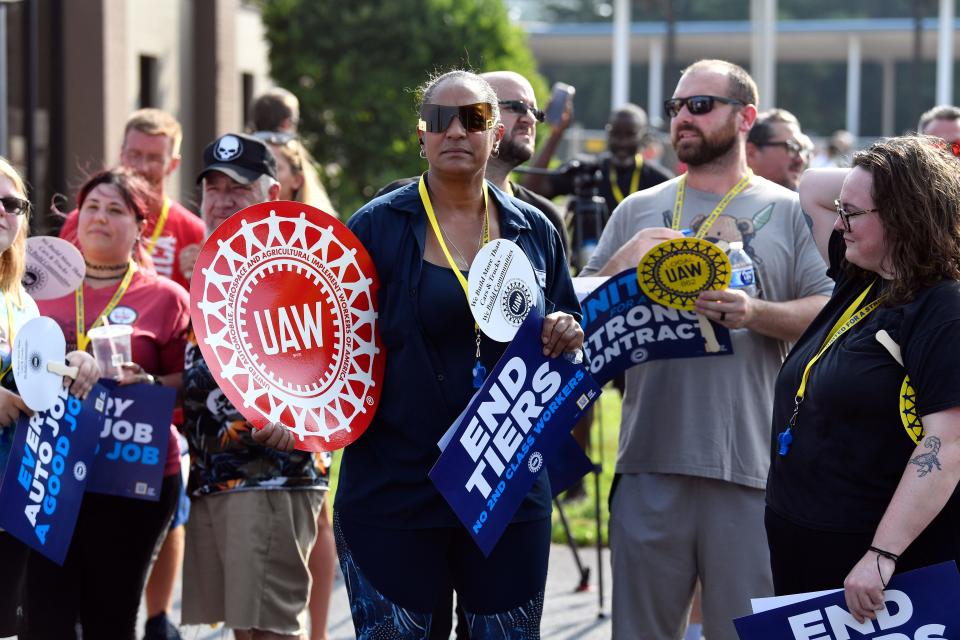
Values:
[(850, 317), (158, 228), (634, 179), (705, 226), (485, 236), (82, 339)]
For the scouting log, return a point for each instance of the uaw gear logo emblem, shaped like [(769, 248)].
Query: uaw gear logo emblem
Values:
[(675, 272), (516, 302), (284, 311)]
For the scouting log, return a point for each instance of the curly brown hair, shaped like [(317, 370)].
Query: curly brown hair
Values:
[(916, 189)]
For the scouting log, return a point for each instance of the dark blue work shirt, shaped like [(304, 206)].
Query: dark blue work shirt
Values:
[(383, 475)]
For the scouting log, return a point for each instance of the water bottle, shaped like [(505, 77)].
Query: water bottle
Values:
[(743, 276)]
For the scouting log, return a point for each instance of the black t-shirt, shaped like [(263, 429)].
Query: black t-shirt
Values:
[(554, 215), (850, 446), (651, 174)]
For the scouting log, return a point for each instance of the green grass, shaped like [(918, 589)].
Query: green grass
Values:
[(581, 515)]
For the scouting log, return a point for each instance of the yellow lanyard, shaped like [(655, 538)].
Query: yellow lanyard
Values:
[(82, 339), (705, 227), (479, 372), (848, 319), (425, 198), (634, 179), (158, 228), (10, 334)]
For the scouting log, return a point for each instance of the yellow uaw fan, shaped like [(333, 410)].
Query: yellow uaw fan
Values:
[(908, 396), (675, 272)]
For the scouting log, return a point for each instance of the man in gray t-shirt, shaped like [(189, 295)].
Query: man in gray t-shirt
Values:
[(695, 434)]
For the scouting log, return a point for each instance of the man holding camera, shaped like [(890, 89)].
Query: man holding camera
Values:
[(623, 169)]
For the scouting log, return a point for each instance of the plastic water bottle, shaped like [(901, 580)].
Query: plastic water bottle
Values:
[(743, 276)]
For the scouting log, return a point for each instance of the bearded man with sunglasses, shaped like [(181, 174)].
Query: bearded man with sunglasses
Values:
[(688, 498), (776, 148)]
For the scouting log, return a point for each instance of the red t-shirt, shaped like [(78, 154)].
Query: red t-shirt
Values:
[(159, 312), (181, 229)]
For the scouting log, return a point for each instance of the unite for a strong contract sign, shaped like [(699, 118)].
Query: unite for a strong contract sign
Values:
[(283, 303)]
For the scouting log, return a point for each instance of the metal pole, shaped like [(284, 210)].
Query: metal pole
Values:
[(620, 89), (854, 55), (945, 53), (655, 83)]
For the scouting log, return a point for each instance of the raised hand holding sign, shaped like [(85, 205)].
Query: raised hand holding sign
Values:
[(283, 303), (38, 362)]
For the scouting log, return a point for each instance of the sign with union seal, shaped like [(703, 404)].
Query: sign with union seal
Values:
[(283, 303), (503, 288), (675, 272)]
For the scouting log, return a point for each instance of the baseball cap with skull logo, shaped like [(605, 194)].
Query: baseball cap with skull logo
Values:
[(239, 156)]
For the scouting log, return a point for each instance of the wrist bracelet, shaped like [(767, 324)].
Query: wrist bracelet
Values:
[(888, 556), (885, 554)]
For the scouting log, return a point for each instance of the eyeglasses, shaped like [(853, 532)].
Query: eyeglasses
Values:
[(846, 215), (277, 138), (476, 117), (793, 148), (15, 206), (520, 107), (696, 105)]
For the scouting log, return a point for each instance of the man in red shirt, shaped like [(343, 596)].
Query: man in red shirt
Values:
[(151, 147)]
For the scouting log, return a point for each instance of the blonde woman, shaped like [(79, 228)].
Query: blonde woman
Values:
[(16, 308)]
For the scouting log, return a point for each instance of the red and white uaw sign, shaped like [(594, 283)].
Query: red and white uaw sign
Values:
[(283, 302)]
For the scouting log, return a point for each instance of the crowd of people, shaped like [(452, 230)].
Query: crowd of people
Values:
[(765, 471)]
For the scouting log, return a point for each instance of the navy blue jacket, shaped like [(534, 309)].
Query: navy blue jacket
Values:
[(383, 475)]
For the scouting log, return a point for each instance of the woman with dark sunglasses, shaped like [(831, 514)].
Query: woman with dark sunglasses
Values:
[(401, 546), (18, 308), (866, 422)]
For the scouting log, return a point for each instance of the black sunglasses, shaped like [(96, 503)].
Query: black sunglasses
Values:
[(846, 215), (794, 149), (435, 118), (696, 105), (520, 107), (15, 206)]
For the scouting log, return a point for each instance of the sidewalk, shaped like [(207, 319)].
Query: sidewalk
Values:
[(566, 616)]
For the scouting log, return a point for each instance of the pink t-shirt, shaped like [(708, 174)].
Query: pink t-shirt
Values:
[(181, 229), (159, 312)]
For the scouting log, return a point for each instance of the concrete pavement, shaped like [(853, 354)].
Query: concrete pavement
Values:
[(567, 615)]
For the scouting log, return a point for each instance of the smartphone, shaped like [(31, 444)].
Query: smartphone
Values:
[(560, 96)]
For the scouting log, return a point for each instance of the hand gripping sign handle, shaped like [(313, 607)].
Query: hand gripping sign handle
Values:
[(60, 369), (709, 335)]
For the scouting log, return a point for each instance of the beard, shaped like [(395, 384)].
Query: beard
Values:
[(513, 153), (707, 148)]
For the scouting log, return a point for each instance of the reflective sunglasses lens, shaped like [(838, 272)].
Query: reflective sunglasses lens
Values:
[(672, 106), (699, 105), (474, 117)]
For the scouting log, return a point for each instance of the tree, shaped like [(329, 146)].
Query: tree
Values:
[(356, 65)]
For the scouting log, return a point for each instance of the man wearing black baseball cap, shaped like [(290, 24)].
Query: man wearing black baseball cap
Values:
[(253, 519)]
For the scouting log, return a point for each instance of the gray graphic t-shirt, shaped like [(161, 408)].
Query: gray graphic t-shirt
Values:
[(710, 417)]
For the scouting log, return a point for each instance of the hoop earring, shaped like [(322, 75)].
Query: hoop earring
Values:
[(496, 152), (423, 152)]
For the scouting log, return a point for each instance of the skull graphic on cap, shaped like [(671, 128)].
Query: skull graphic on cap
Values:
[(228, 148)]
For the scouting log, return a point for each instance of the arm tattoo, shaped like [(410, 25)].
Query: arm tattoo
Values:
[(928, 461)]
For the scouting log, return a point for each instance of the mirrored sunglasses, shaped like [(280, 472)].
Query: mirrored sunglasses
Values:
[(435, 118)]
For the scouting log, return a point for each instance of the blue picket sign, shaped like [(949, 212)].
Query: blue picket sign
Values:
[(623, 328), (133, 444), (919, 605), (47, 472), (511, 427)]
